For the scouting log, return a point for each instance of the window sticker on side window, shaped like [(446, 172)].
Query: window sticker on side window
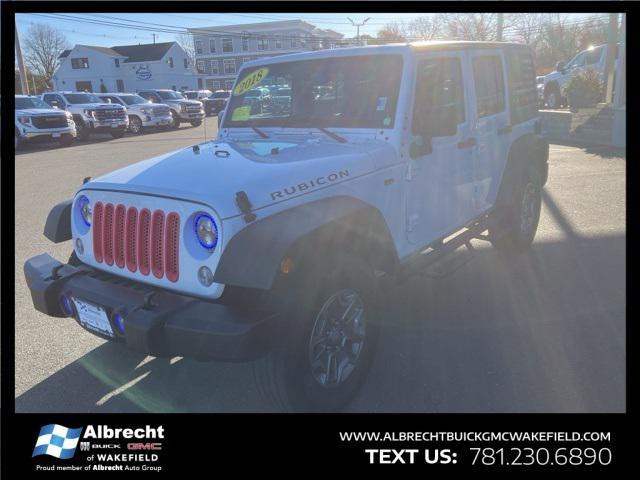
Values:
[(241, 114), (381, 104), (250, 81)]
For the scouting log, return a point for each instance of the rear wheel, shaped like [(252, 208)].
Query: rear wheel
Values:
[(325, 342), (515, 234), (66, 140)]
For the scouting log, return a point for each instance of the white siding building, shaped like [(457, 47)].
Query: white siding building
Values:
[(220, 51), (126, 68)]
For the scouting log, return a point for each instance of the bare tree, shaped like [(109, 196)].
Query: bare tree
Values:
[(472, 26), (427, 28), (186, 42), (43, 46), (392, 32)]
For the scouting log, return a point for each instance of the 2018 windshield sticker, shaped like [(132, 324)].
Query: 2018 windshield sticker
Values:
[(250, 81), (241, 114)]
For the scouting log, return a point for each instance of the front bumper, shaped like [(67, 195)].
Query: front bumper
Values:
[(156, 322), (150, 121), (191, 116), (109, 124), (50, 132)]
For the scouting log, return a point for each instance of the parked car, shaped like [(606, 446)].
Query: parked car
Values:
[(197, 94), (216, 102), (90, 113), (34, 118), (142, 113), (182, 110), (276, 242), (258, 99), (280, 100), (593, 58)]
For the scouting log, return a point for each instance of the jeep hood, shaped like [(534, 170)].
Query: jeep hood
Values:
[(213, 172)]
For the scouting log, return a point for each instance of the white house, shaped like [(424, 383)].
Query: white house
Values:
[(125, 68)]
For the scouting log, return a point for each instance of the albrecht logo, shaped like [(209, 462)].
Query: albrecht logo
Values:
[(57, 441)]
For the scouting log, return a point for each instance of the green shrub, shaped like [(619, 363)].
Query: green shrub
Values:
[(585, 89)]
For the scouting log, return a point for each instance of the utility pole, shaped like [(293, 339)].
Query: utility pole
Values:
[(154, 37), (500, 26), (610, 65), (358, 25), (23, 75)]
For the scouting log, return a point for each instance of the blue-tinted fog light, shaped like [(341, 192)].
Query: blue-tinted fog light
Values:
[(65, 303), (118, 322)]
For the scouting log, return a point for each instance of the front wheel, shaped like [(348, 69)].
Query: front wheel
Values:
[(18, 141), (82, 131), (66, 140), (325, 342), (135, 125), (520, 224), (196, 123), (119, 133), (175, 122)]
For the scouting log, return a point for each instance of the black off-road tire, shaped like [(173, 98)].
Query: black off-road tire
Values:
[(284, 376), (516, 231)]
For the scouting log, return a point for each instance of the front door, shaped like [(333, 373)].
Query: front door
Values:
[(120, 85), (491, 126), (84, 86), (442, 150)]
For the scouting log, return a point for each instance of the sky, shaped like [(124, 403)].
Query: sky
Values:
[(79, 30)]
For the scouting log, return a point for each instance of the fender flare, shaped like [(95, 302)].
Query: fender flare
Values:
[(252, 257), (57, 228)]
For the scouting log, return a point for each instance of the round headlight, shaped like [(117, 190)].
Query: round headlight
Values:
[(85, 209), (206, 231)]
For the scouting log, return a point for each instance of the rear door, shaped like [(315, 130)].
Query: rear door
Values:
[(490, 125), (442, 152)]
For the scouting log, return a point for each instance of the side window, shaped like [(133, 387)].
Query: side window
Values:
[(522, 88), (489, 83), (47, 99), (439, 102), (578, 61)]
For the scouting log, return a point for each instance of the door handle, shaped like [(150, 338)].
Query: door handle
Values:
[(468, 143), (504, 130)]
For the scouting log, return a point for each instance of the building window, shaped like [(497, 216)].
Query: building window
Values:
[(229, 66), (245, 42), (263, 43), (117, 62), (77, 63), (214, 66), (212, 45), (295, 41), (186, 63), (278, 42), (227, 45), (246, 59), (200, 66), (199, 47), (170, 62), (217, 84)]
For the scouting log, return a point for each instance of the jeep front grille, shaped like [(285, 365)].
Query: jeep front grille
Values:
[(107, 114), (143, 241), (50, 121)]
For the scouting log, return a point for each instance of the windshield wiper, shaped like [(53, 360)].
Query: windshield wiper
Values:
[(258, 131), (335, 136)]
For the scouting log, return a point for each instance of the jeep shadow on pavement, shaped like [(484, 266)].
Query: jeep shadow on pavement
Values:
[(191, 253)]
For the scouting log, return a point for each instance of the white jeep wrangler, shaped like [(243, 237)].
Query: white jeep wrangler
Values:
[(275, 241), (90, 114)]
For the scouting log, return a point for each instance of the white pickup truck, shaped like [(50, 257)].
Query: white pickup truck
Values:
[(276, 241), (142, 113), (90, 113), (36, 119)]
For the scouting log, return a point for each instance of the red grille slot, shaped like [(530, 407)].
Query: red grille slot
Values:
[(144, 231), (157, 243), (107, 234), (130, 238), (172, 247), (118, 235), (97, 232)]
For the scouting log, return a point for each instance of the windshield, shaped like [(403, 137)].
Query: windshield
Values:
[(133, 99), (352, 92), (24, 103), (74, 98), (169, 95), (191, 95)]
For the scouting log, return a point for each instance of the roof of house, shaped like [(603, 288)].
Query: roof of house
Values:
[(148, 52)]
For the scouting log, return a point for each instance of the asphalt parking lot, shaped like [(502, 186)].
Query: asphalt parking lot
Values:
[(544, 332)]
